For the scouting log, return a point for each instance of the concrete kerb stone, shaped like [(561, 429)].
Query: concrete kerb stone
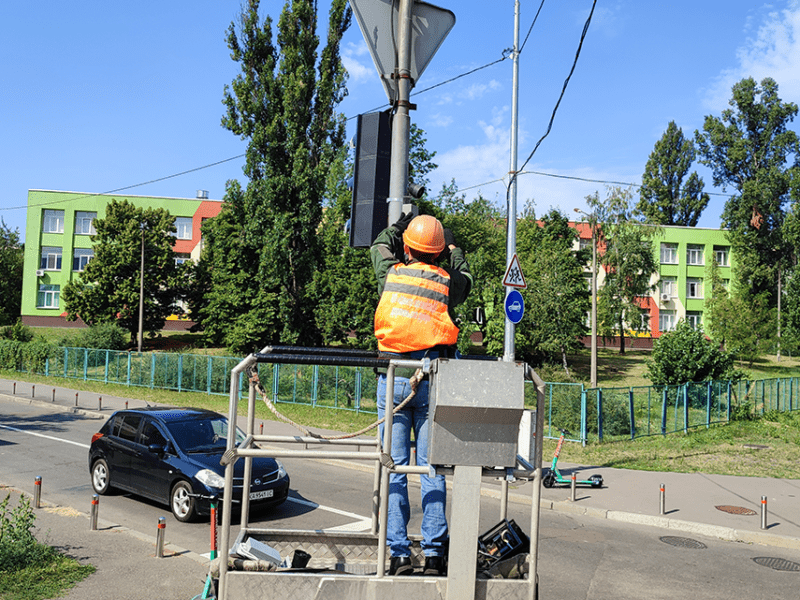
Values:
[(93, 414)]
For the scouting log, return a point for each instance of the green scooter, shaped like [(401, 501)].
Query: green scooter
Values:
[(554, 477)]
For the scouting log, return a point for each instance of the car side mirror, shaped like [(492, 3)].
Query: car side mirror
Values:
[(156, 449)]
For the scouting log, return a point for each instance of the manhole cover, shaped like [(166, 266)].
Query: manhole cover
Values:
[(755, 446), (779, 564), (736, 510), (682, 542)]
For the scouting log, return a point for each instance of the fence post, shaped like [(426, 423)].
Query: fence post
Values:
[(85, 364), (209, 372), (180, 371), (686, 408), (106, 373), (729, 400), (708, 405), (314, 384), (599, 415), (358, 389), (584, 433), (66, 361), (630, 408), (664, 411), (47, 366), (153, 370)]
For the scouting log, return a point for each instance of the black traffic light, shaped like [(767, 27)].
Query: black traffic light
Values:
[(369, 212)]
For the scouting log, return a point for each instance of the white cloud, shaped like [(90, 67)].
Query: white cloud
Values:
[(478, 90), (358, 62), (774, 51)]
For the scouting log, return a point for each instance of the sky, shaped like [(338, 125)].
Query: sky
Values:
[(100, 97)]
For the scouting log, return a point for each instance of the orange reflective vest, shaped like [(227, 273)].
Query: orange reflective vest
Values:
[(412, 312)]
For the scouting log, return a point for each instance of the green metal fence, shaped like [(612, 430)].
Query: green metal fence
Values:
[(597, 414)]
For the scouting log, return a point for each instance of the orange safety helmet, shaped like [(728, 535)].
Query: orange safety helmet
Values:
[(425, 234)]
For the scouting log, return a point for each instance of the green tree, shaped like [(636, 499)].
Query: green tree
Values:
[(685, 355), (630, 265), (751, 149), (556, 299), (108, 289), (265, 250), (11, 262), (665, 198)]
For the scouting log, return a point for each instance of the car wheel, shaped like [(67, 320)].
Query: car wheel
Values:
[(101, 477), (182, 502), (549, 480)]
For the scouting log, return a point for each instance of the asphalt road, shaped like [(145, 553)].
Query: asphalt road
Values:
[(580, 557)]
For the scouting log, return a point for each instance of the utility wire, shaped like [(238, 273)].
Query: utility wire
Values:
[(531, 28)]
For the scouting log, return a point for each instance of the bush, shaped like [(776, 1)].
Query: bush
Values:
[(16, 332), (34, 355), (103, 336), (18, 547), (10, 355), (686, 355)]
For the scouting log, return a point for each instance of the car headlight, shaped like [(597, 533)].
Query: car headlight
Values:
[(210, 478), (281, 470)]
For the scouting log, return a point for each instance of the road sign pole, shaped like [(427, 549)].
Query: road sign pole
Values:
[(511, 242), (401, 123)]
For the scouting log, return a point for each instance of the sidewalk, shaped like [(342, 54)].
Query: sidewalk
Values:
[(627, 496)]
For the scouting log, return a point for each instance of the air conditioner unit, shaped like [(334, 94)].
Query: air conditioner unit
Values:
[(665, 297), (39, 272)]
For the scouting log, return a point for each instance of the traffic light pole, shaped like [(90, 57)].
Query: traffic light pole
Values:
[(401, 122)]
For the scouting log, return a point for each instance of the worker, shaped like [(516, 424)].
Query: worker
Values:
[(422, 276)]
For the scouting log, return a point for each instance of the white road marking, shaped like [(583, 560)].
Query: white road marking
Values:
[(328, 508), (47, 437)]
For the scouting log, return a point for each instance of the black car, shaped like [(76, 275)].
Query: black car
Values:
[(172, 456)]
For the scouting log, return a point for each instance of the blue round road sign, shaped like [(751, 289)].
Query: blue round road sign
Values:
[(515, 306)]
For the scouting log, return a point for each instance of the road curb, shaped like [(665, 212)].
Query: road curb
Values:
[(58, 407)]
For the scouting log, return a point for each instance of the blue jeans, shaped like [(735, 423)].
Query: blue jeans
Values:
[(434, 491)]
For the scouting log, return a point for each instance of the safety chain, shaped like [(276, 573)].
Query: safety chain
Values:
[(252, 375)]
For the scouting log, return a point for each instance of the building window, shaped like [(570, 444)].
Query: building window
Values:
[(666, 320), (182, 257), (80, 258), (669, 254), (721, 255), (84, 223), (694, 255), (694, 319), (48, 296), (53, 221), (669, 287), (694, 288), (183, 225), (51, 259)]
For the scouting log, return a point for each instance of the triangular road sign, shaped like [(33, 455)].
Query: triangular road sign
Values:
[(514, 277)]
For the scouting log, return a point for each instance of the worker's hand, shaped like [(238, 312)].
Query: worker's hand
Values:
[(449, 239), (402, 223)]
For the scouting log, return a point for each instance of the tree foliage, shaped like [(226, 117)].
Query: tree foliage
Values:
[(108, 289), (685, 355), (665, 198), (11, 262), (629, 262), (263, 252), (751, 149)]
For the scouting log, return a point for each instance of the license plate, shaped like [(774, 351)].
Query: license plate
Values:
[(261, 495)]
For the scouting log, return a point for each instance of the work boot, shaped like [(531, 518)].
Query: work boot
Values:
[(434, 565), (401, 565)]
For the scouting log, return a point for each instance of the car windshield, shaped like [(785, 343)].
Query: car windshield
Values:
[(202, 435)]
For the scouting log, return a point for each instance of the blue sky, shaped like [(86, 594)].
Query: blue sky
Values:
[(99, 96)]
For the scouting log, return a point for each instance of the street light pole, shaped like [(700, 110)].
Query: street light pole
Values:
[(593, 223), (141, 295)]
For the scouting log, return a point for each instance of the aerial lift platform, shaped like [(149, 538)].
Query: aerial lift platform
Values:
[(476, 409)]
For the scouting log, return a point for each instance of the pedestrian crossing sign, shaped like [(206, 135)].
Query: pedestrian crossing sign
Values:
[(514, 277)]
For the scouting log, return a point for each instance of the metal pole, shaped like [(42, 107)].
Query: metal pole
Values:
[(387, 448), (662, 499), (33, 391), (141, 296), (511, 239), (162, 525), (93, 517), (401, 122), (763, 512), (593, 372), (572, 485), (37, 492)]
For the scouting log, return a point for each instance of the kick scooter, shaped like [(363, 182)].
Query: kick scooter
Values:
[(554, 476)]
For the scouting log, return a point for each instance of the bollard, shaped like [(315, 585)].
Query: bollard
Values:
[(261, 429), (763, 512), (76, 398), (54, 394), (126, 405), (572, 486), (662, 489), (37, 492), (14, 389), (95, 507), (33, 391), (162, 525), (99, 403)]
